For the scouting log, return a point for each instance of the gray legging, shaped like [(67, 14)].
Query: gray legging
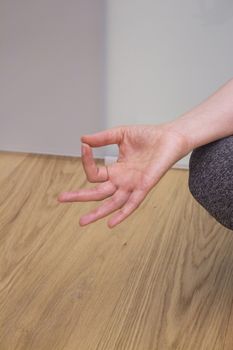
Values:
[(211, 179)]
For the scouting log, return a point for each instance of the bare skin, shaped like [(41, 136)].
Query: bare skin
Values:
[(146, 152)]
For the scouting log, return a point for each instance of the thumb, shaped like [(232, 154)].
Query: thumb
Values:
[(105, 137)]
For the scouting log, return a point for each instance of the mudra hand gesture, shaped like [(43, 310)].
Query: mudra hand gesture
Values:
[(146, 152)]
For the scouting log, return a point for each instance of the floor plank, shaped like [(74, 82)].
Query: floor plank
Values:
[(162, 279)]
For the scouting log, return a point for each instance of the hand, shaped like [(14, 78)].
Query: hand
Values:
[(146, 152)]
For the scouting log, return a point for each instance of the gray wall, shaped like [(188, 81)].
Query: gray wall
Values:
[(52, 74)]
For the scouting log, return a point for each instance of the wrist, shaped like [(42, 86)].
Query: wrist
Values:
[(176, 130)]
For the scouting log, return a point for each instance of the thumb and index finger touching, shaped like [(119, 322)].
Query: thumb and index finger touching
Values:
[(94, 173), (102, 138)]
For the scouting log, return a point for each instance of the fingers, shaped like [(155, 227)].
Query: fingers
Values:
[(116, 202), (93, 173), (97, 193), (133, 202), (105, 137)]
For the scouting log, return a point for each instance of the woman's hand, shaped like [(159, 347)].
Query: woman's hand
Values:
[(146, 152)]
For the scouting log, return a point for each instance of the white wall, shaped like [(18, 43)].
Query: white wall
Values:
[(73, 67), (164, 57), (52, 67)]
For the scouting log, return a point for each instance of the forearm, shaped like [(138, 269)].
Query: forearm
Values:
[(209, 121)]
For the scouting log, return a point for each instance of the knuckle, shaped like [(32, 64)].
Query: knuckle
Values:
[(134, 202), (122, 211), (95, 211)]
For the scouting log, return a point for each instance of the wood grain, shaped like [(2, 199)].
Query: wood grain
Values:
[(162, 279)]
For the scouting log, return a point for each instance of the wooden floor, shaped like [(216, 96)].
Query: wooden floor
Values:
[(162, 279)]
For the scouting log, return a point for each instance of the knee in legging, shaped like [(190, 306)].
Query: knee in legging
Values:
[(211, 179)]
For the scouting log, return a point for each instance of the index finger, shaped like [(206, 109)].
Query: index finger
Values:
[(93, 173)]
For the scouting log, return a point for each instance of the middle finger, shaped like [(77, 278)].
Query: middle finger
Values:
[(96, 193)]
